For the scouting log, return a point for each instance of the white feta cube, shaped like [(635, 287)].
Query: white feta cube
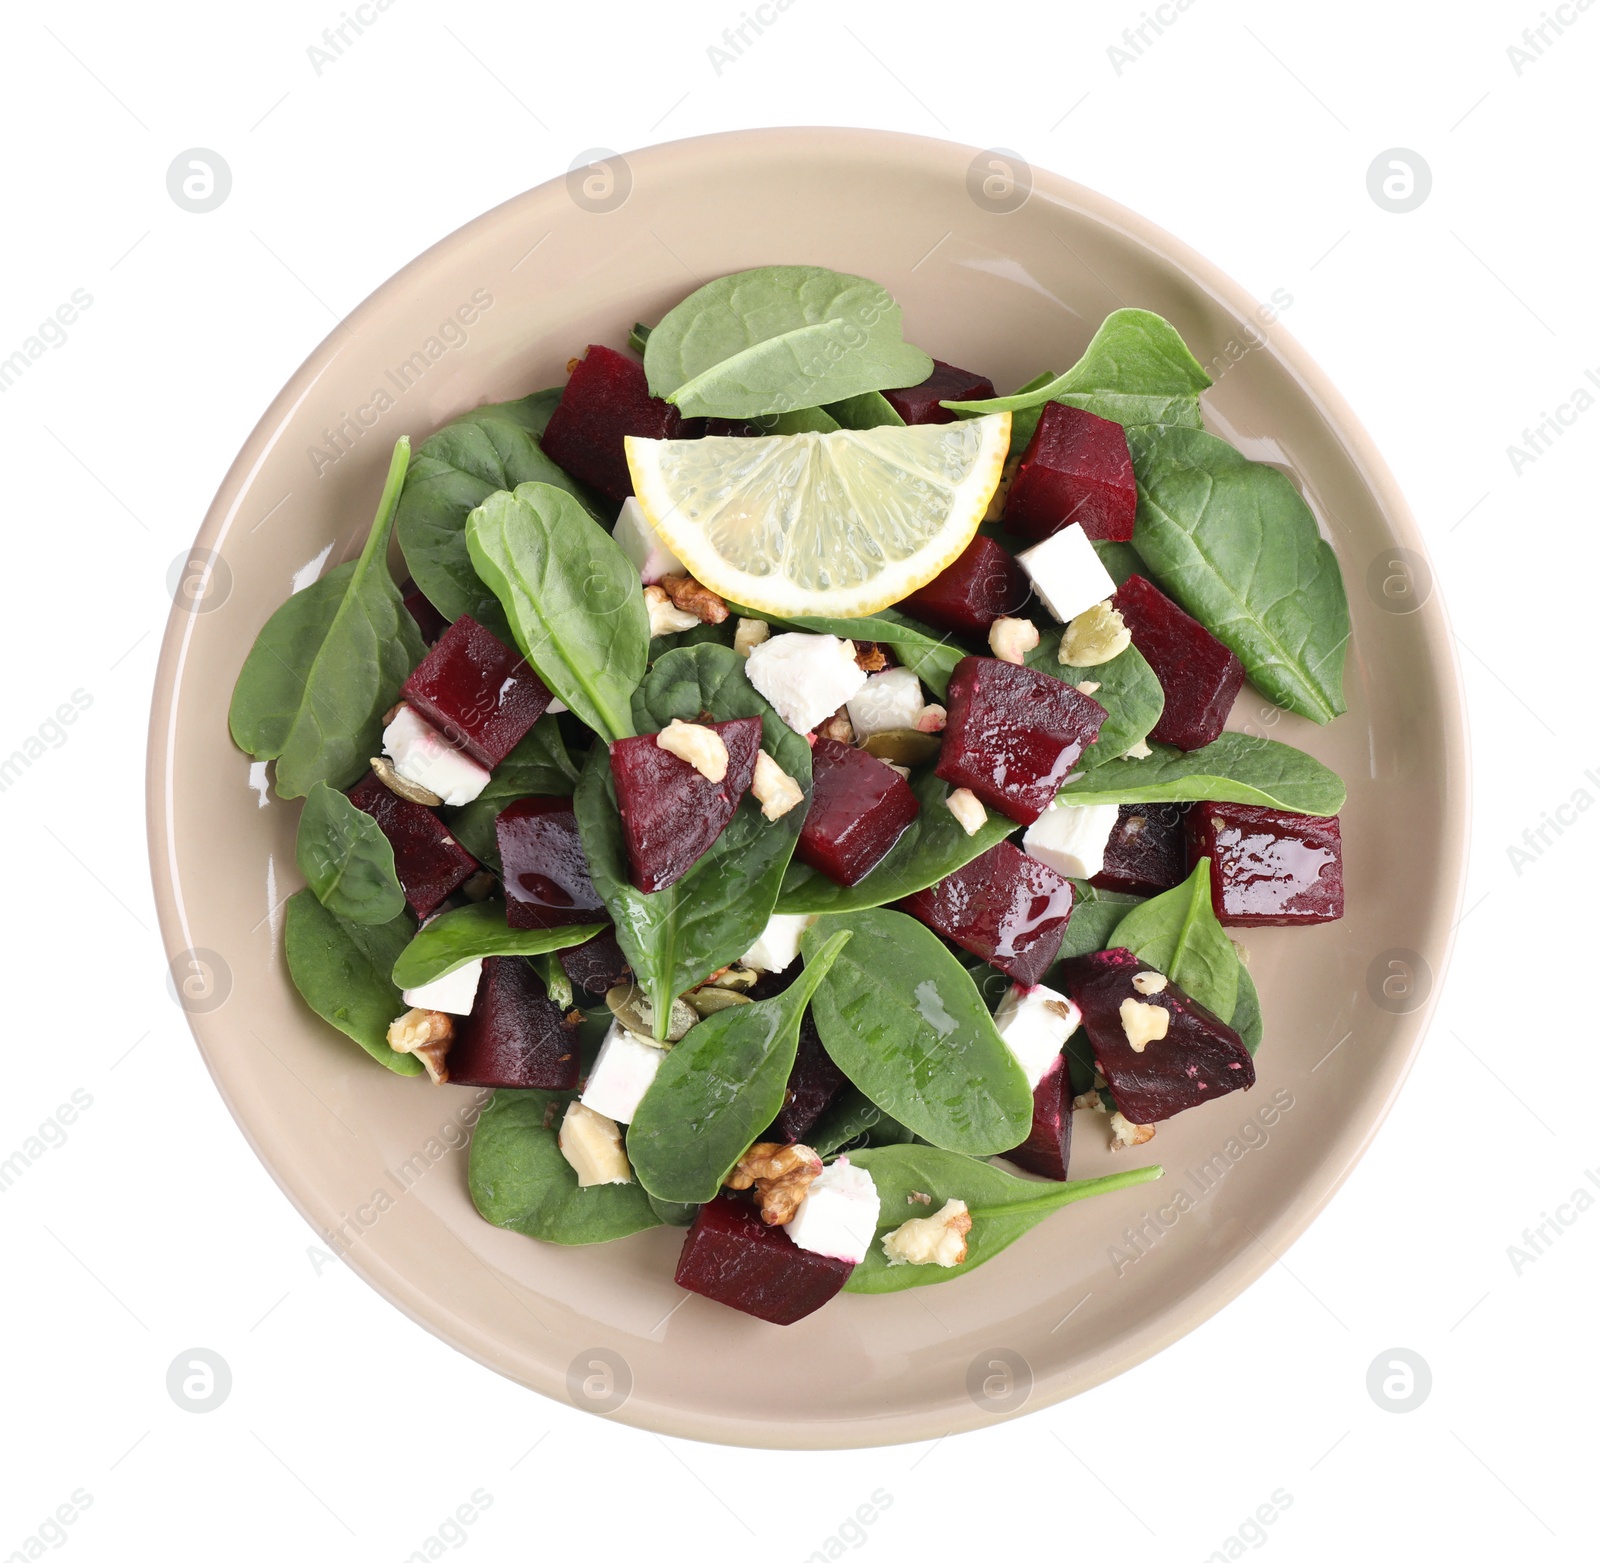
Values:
[(452, 993), (839, 1214), (1066, 573), (805, 678), (592, 1145), (779, 943), (645, 550), (421, 754), (887, 702), (1072, 837), (1034, 1023), (622, 1073)]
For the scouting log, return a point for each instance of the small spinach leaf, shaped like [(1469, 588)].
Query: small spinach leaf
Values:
[(347, 859), (469, 933), (672, 1212), (539, 767), (1232, 541), (869, 410), (1129, 690), (899, 1015), (779, 338), (572, 597), (519, 1179), (1177, 932), (1095, 915), (852, 1116), (917, 647), (1247, 1012), (1003, 1207), (719, 1088), (342, 971)]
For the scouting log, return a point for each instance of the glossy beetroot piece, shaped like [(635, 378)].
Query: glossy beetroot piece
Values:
[(430, 862), (1198, 674), (1012, 735), (734, 1258), (859, 809), (1268, 867), (595, 966), (670, 813), (430, 621), (606, 398), (1197, 1060), (984, 584), (1076, 470), (920, 403), (1147, 852), (515, 1036), (478, 692), (542, 865), (1005, 907), (1049, 1142), (813, 1083)]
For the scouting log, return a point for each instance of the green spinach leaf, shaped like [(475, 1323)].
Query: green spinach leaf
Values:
[(572, 597), (1095, 915), (1232, 541), (720, 1087), (519, 1179), (851, 1116), (342, 971), (916, 646), (1120, 559), (539, 767), (347, 859), (469, 933), (869, 410), (1247, 1012), (1003, 1207), (1129, 690), (899, 1015), (1178, 933), (777, 339), (672, 1212)]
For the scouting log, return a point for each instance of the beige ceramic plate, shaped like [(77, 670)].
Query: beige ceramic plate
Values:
[(373, 1161)]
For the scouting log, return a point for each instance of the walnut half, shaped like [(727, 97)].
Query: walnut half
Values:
[(689, 596), (428, 1033), (780, 1174)]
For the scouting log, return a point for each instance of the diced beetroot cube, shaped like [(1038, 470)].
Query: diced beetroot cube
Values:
[(478, 692), (733, 1257), (920, 403), (430, 621), (1049, 1142), (1012, 735), (670, 813), (542, 864), (597, 965), (516, 1036), (1005, 907), (814, 1081), (1198, 674), (984, 584), (859, 809), (1269, 867), (429, 861), (1198, 1059), (1146, 853), (607, 398), (1076, 469)]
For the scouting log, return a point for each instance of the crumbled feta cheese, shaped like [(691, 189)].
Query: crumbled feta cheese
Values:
[(701, 747), (1127, 1134), (1072, 837), (839, 1214), (1149, 982), (665, 617), (749, 633), (421, 754), (969, 812), (592, 1145), (1034, 1023), (779, 943), (1094, 636), (556, 707), (1087, 686), (452, 993), (774, 788), (1142, 1024), (898, 769), (1012, 639), (939, 1239), (1140, 751), (888, 702), (805, 678), (645, 550), (622, 1073), (1066, 572)]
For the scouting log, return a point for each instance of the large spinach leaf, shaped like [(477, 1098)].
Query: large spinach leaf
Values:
[(719, 1088), (1177, 932), (470, 933), (777, 339), (851, 1116), (342, 971), (1129, 690), (1237, 768), (899, 1015), (347, 859), (1095, 915), (1235, 545), (482, 452), (539, 767), (519, 1179), (676, 937), (932, 658), (572, 597), (1003, 1207)]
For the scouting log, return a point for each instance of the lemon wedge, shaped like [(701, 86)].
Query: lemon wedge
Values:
[(836, 525)]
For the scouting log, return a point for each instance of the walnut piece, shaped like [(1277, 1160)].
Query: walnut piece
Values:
[(931, 719), (701, 747), (428, 1033), (750, 633), (780, 1175), (690, 596), (774, 788), (400, 786), (1096, 635), (1012, 639), (664, 618), (969, 812), (838, 727), (870, 656), (939, 1239), (1126, 1135), (1143, 1024)]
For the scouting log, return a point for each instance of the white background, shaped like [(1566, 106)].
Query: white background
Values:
[(1245, 129)]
